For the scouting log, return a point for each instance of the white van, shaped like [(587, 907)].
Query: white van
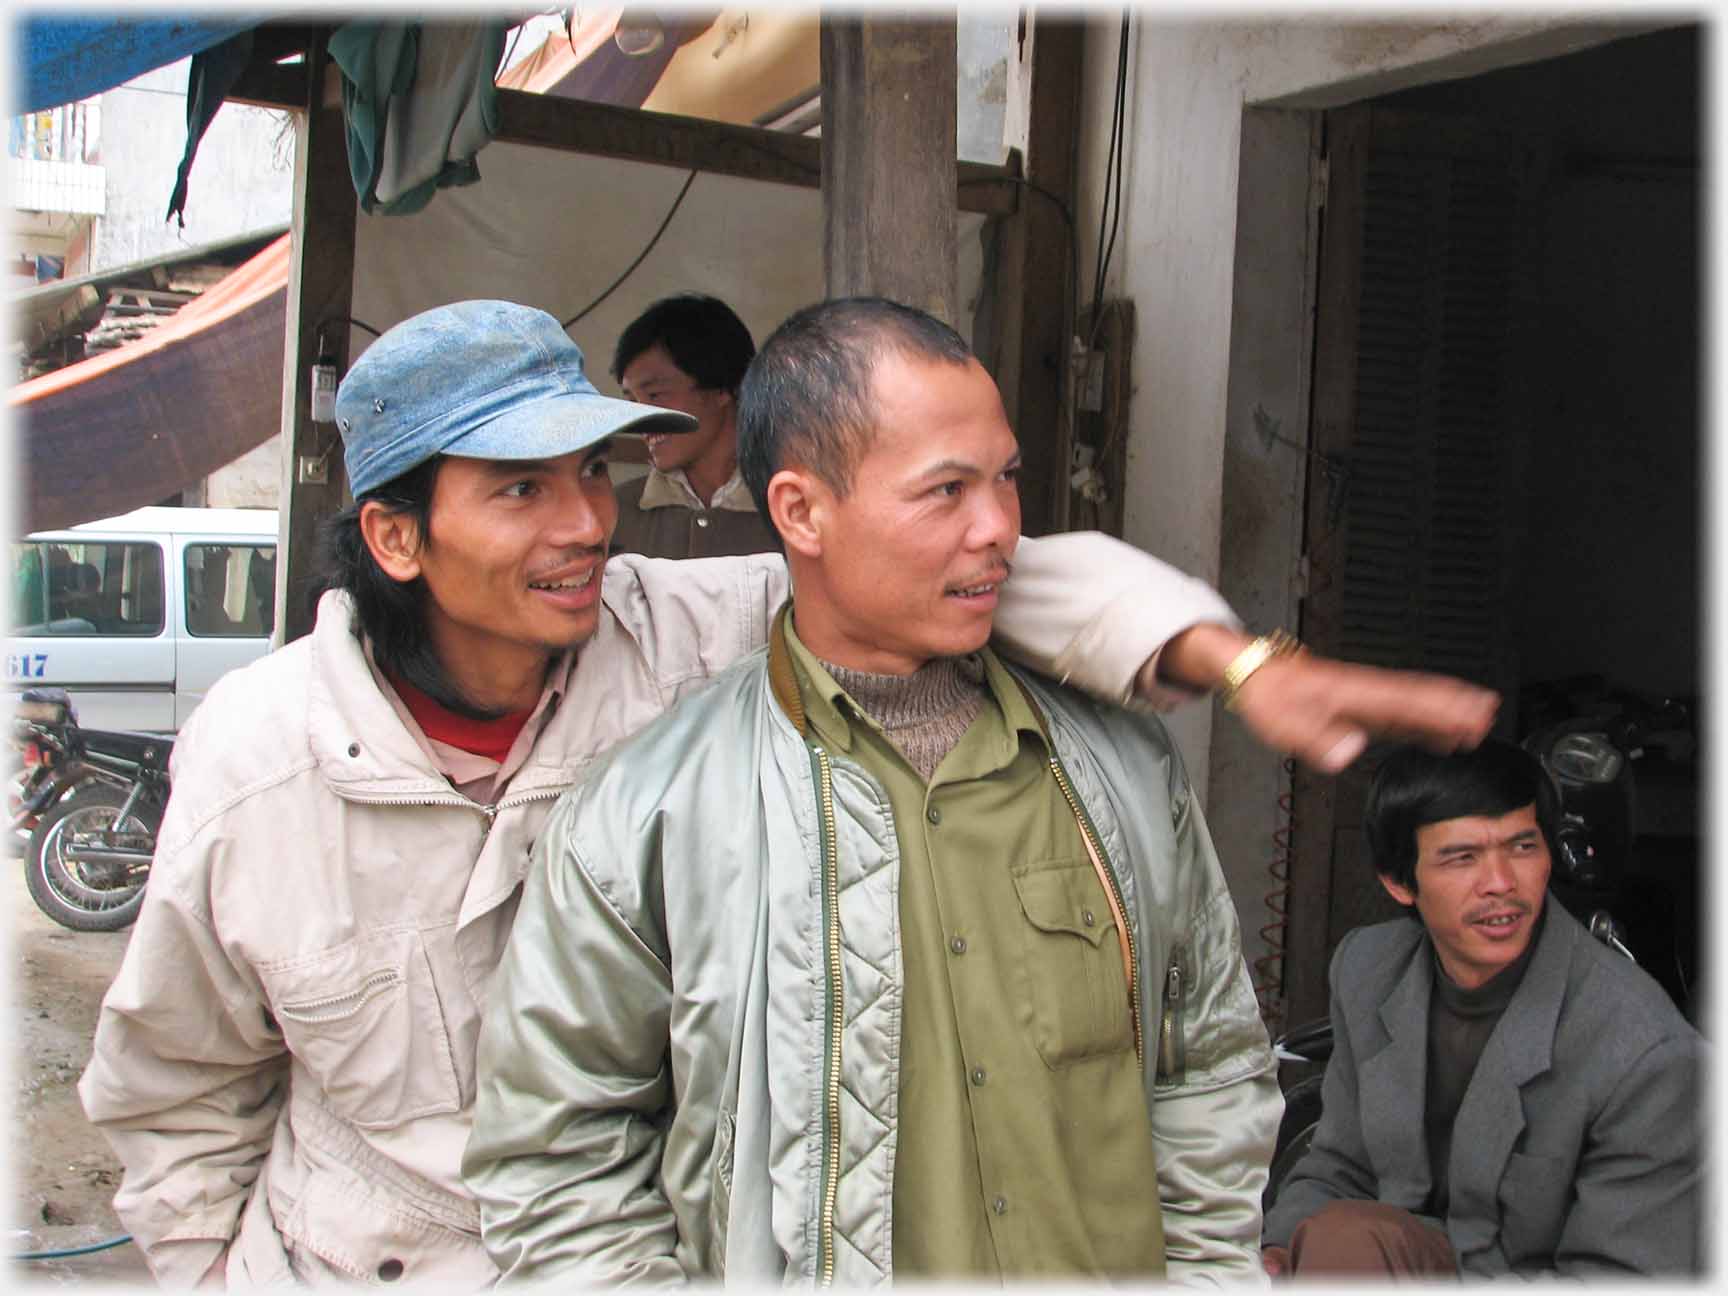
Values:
[(136, 616)]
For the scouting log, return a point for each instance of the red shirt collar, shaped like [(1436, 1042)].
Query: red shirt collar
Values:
[(490, 738)]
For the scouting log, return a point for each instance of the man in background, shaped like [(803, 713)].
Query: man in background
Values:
[(688, 353)]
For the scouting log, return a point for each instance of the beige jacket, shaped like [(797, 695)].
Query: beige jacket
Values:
[(285, 1064)]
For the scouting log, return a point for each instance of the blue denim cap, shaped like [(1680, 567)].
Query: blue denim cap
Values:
[(479, 379)]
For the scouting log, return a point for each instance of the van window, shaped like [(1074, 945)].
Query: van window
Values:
[(65, 587), (230, 590)]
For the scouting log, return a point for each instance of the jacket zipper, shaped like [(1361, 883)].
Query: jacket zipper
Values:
[(1085, 823), (336, 1007), (834, 1005), (1172, 1052), (490, 811)]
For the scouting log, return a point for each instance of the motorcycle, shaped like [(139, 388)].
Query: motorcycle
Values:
[(91, 801), (1588, 737)]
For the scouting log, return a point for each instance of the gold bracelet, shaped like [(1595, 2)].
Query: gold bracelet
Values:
[(1260, 650)]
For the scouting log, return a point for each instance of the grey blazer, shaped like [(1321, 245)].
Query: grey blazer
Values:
[(1576, 1149)]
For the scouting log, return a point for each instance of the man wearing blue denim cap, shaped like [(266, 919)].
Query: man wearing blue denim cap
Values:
[(286, 1061)]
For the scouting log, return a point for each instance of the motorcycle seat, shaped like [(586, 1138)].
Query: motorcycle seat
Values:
[(143, 748)]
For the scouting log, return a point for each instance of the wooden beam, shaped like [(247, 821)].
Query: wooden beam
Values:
[(692, 143), (888, 158), (1035, 270), (274, 40), (271, 85), (320, 291)]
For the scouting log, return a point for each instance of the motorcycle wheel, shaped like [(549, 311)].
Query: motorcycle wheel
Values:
[(60, 886), (1295, 1135)]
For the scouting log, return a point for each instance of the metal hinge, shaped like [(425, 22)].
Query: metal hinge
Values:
[(1321, 181)]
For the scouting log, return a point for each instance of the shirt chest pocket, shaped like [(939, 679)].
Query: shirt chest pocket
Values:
[(1073, 991), (364, 1019)]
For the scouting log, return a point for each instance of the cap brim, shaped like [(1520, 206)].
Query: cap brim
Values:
[(561, 425)]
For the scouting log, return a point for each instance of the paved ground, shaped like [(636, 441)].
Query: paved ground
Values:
[(63, 1174)]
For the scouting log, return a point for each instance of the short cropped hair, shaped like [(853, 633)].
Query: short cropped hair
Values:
[(806, 398), (1414, 788), (702, 335)]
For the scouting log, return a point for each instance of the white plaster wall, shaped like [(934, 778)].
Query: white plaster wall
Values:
[(242, 179), (1320, 61), (251, 481)]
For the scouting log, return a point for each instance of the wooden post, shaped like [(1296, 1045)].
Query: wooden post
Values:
[(888, 157), (320, 290), (1035, 268)]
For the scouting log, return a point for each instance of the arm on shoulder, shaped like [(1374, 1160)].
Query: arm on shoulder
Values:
[(1111, 620), (1127, 628)]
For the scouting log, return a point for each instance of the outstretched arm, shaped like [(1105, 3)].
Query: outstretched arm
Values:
[(1114, 621), (1324, 711), (1106, 617)]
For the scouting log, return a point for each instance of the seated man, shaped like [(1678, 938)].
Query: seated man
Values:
[(1506, 1094), (878, 958), (688, 353)]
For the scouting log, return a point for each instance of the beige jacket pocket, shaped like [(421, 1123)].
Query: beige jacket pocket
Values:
[(346, 1231), (364, 1019)]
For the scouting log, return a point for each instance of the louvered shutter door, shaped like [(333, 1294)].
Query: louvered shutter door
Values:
[(1411, 530)]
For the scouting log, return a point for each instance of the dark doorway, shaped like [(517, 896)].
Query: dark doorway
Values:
[(1506, 414)]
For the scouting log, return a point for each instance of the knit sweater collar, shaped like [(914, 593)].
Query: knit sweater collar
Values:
[(939, 687)]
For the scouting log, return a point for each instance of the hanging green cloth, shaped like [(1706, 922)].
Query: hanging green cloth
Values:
[(419, 102), (211, 76)]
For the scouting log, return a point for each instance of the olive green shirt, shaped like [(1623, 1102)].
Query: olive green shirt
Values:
[(1024, 1144)]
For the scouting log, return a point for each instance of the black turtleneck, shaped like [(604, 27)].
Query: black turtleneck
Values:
[(1460, 1023)]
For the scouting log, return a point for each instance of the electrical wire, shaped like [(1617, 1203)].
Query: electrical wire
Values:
[(641, 256), (1114, 170), (66, 1252), (1090, 507), (328, 320), (1110, 155)]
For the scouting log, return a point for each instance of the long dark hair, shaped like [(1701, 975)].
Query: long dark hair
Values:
[(392, 613)]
